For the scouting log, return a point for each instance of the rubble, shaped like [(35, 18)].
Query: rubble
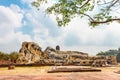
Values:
[(56, 70), (11, 67)]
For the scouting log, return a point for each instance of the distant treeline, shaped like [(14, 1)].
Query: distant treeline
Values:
[(109, 52), (10, 56)]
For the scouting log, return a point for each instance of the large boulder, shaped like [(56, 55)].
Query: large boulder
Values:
[(30, 52)]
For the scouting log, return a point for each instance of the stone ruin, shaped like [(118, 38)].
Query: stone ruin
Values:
[(118, 56), (31, 52)]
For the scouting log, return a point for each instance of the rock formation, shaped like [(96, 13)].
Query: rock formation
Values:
[(31, 52)]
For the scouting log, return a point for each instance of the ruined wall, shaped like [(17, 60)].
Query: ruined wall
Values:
[(31, 52)]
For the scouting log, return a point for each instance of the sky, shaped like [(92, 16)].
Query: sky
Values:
[(19, 22)]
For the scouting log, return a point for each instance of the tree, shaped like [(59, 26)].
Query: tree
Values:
[(4, 56), (97, 11), (13, 55), (109, 52)]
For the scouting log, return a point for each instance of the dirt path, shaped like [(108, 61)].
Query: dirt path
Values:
[(72, 76), (37, 73)]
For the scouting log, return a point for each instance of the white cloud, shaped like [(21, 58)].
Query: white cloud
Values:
[(91, 40), (10, 19), (8, 15), (45, 31)]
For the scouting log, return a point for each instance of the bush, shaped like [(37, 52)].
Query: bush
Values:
[(12, 56)]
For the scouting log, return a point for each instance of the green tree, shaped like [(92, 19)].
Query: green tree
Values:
[(4, 56), (97, 11), (1, 55), (13, 55), (109, 52)]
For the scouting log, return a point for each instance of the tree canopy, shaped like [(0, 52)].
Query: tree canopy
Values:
[(96, 11), (109, 53), (5, 56)]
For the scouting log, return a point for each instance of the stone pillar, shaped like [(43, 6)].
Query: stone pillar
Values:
[(58, 47), (118, 56)]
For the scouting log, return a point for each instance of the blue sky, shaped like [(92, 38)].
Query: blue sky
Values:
[(20, 22), (9, 2)]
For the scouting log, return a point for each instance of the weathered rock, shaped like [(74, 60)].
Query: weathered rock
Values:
[(64, 57), (52, 53), (30, 52), (11, 67)]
